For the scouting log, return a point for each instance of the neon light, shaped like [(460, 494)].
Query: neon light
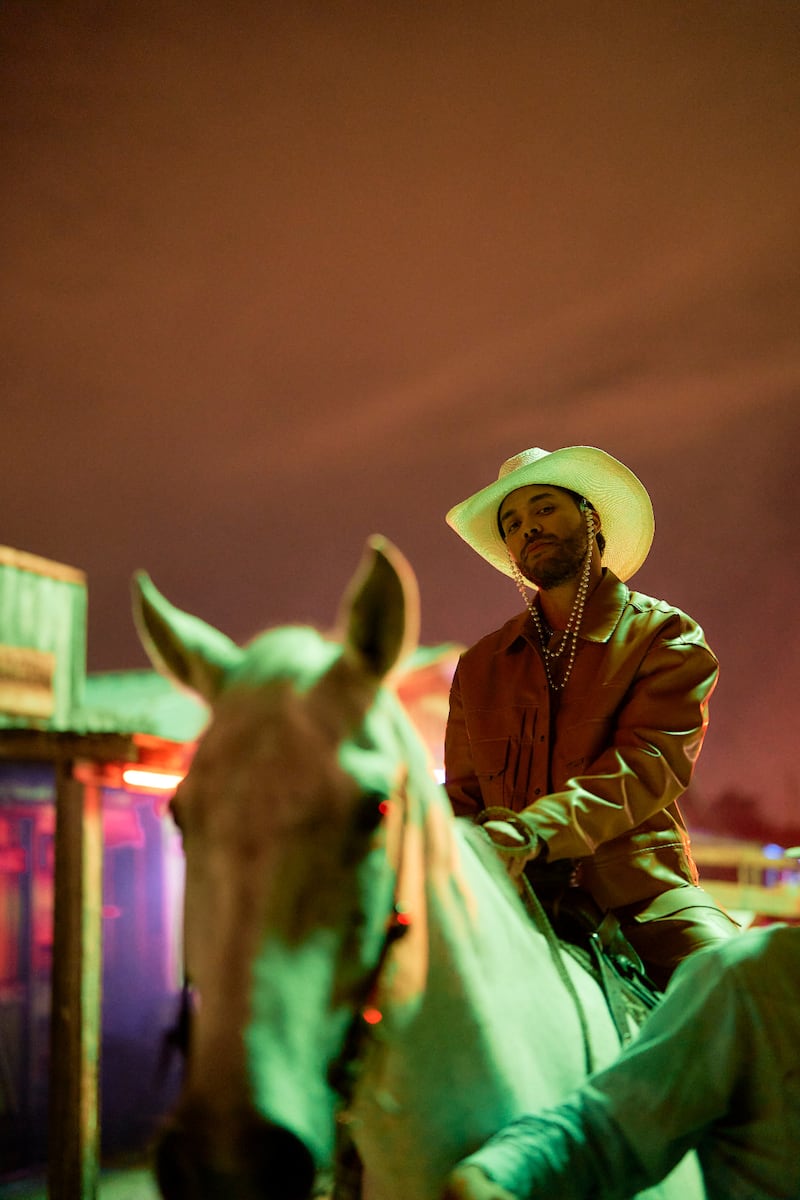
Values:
[(160, 781)]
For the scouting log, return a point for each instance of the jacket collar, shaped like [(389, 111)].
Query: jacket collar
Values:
[(600, 616)]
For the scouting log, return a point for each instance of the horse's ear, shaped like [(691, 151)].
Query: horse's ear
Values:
[(380, 609), (179, 645)]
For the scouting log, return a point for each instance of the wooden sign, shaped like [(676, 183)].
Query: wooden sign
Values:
[(26, 681)]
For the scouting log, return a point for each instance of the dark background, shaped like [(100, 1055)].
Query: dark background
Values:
[(276, 276)]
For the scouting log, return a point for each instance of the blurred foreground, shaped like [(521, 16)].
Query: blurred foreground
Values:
[(123, 1183)]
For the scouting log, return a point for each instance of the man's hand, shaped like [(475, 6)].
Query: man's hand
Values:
[(514, 847), (470, 1183)]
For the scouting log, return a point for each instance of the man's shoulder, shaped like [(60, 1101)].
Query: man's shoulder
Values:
[(676, 623), (641, 602)]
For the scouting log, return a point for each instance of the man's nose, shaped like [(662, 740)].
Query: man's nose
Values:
[(532, 529)]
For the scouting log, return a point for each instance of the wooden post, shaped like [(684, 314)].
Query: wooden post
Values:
[(73, 1132)]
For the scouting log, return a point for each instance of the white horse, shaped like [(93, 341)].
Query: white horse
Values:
[(315, 835)]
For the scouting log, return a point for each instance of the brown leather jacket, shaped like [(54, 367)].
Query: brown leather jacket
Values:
[(596, 770)]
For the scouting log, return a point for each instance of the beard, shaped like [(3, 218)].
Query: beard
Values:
[(562, 562)]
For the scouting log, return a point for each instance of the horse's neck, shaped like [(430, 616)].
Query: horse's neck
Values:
[(478, 1027), (496, 971)]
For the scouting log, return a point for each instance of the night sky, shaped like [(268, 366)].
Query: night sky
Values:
[(277, 276)]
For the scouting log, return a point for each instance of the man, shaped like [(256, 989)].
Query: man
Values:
[(716, 1068), (585, 714)]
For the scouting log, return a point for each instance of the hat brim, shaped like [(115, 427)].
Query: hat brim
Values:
[(621, 500)]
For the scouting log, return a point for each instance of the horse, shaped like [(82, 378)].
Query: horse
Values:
[(367, 974)]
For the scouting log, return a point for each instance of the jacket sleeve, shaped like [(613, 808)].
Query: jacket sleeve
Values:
[(648, 764), (461, 780), (629, 1125)]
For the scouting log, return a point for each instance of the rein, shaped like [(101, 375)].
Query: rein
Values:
[(594, 938), (541, 920), (538, 915)]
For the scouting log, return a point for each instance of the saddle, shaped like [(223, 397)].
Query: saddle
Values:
[(594, 938)]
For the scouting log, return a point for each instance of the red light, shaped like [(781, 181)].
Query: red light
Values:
[(403, 918), (373, 1016), (383, 807)]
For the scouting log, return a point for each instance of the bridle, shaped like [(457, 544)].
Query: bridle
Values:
[(345, 1070)]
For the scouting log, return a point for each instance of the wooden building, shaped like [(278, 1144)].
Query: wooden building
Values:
[(90, 879)]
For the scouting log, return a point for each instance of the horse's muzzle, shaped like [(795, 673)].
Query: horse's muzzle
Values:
[(265, 1162)]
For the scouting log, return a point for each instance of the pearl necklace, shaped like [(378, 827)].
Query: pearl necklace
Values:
[(573, 625)]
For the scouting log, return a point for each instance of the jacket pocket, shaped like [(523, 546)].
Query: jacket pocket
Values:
[(489, 759)]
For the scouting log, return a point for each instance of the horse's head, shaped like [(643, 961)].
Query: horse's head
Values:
[(292, 845)]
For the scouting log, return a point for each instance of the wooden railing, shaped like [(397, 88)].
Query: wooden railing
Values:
[(744, 878)]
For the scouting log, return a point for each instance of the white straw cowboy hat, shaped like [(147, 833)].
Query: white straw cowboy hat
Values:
[(620, 499)]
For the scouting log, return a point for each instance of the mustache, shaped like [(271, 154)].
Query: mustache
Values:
[(546, 540)]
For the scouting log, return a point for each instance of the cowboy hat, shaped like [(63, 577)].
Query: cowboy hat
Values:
[(626, 513)]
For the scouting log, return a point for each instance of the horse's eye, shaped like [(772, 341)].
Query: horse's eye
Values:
[(371, 811)]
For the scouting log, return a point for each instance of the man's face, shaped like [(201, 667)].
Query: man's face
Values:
[(546, 534)]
